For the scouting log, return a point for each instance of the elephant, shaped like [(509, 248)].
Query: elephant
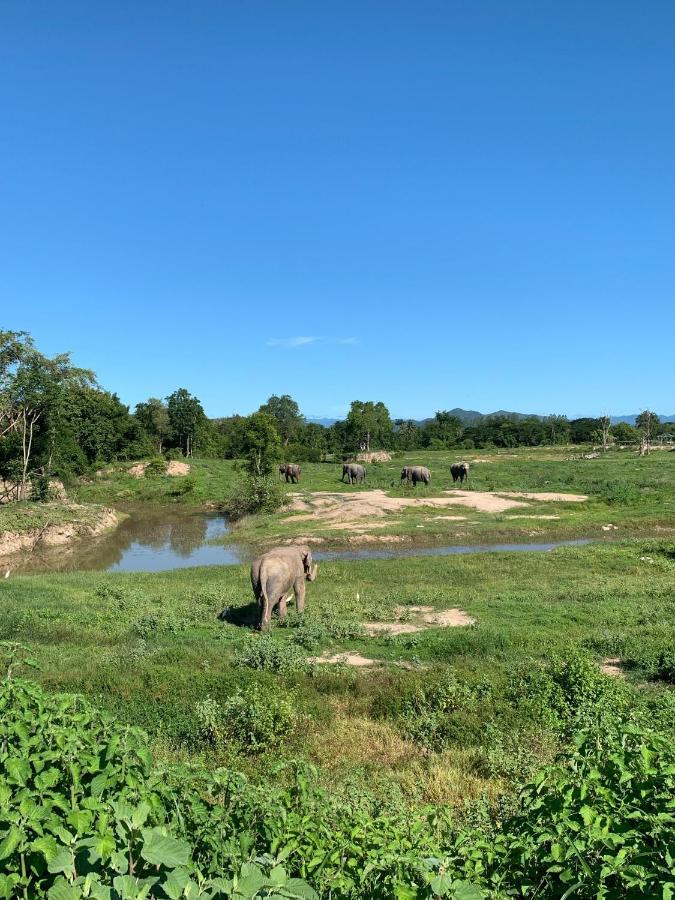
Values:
[(292, 471), (415, 474), (354, 472), (460, 472), (278, 573)]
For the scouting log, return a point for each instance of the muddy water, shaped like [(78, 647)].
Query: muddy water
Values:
[(151, 539), (158, 539)]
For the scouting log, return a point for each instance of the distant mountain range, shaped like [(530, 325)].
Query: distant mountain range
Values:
[(472, 415)]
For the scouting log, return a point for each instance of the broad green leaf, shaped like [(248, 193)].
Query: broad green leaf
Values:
[(62, 861), (464, 890), (61, 890), (10, 842), (47, 846), (162, 850)]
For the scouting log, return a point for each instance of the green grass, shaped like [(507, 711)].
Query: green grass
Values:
[(150, 648), (20, 518), (635, 494)]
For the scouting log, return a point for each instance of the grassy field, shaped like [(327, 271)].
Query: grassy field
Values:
[(152, 649), (419, 752), (631, 493)]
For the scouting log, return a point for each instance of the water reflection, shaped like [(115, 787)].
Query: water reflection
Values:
[(151, 539)]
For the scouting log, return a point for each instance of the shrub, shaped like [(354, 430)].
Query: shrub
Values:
[(598, 823), (265, 653), (41, 490), (156, 467), (254, 719), (173, 453), (254, 494)]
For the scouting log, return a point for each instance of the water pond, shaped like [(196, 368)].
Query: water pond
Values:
[(158, 539)]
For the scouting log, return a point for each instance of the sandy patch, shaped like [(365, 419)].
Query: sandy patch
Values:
[(546, 496), (613, 667), (423, 617), (341, 511), (174, 468), (346, 659), (374, 456)]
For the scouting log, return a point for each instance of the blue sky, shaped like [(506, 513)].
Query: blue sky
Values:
[(433, 204)]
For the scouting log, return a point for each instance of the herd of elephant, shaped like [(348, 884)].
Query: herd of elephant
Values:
[(283, 571), (356, 473)]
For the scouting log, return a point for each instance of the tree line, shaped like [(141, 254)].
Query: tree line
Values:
[(56, 419)]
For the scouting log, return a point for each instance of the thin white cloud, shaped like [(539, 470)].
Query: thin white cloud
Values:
[(292, 343), (300, 341)]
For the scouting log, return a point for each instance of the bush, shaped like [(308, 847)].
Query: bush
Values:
[(173, 453), (255, 494), (598, 823), (254, 719), (156, 467), (265, 653), (41, 490)]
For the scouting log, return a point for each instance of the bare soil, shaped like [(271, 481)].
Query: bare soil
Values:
[(344, 511), (348, 659), (420, 618), (613, 667), (174, 468), (374, 456), (56, 535)]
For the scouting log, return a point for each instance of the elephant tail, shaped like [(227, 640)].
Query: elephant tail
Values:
[(263, 588)]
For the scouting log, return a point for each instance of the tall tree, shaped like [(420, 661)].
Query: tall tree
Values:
[(154, 417), (369, 425), (646, 422), (261, 444), (286, 414), (185, 416)]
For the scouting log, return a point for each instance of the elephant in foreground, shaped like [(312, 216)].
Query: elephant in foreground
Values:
[(460, 472), (354, 472), (276, 575), (415, 474), (292, 471)]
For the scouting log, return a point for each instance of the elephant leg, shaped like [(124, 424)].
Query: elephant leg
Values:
[(299, 591), (265, 614), (283, 607)]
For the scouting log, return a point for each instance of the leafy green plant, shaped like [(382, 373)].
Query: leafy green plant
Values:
[(266, 653), (253, 719), (156, 467)]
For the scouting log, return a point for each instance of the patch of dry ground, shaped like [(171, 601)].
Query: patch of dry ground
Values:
[(374, 456), (56, 535), (419, 618), (347, 659), (355, 511), (613, 667), (174, 468)]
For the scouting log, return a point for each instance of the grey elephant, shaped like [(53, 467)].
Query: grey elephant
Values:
[(276, 575), (292, 471), (415, 474), (354, 472), (460, 472)]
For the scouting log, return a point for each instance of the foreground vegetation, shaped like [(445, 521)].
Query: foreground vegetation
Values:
[(401, 779)]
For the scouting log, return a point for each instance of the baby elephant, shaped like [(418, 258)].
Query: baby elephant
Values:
[(460, 472), (292, 471), (415, 474), (278, 573)]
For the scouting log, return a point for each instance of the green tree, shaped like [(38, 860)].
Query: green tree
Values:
[(185, 416), (286, 414), (369, 425), (261, 444), (625, 433), (646, 423), (154, 417)]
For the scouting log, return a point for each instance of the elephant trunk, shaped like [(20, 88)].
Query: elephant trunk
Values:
[(311, 574)]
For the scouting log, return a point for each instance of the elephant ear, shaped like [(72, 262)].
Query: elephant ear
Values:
[(307, 560)]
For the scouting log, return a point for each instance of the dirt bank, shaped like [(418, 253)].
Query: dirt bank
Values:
[(174, 468), (71, 522)]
